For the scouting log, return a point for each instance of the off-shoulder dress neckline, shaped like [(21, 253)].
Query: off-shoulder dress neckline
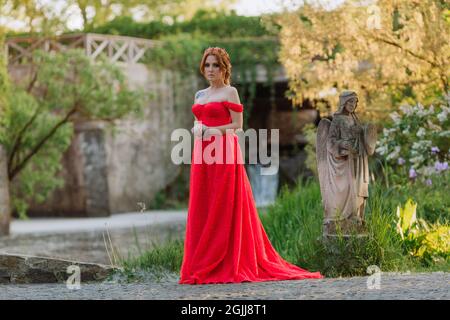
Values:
[(202, 104)]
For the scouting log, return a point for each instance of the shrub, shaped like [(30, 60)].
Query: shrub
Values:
[(415, 145), (429, 242)]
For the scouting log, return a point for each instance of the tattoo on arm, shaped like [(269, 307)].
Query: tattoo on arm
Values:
[(199, 94)]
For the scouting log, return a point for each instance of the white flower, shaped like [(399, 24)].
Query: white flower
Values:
[(420, 111), (395, 117), (417, 160), (444, 133), (416, 145), (406, 109), (427, 171), (442, 117), (433, 126), (382, 150), (394, 154), (421, 132)]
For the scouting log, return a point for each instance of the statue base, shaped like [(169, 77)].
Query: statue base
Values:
[(344, 228)]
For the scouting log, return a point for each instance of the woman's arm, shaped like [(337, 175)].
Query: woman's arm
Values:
[(198, 128)]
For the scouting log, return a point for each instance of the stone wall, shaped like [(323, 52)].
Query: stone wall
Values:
[(112, 171), (139, 163)]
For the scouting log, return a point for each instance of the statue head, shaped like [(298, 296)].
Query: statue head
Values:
[(348, 101)]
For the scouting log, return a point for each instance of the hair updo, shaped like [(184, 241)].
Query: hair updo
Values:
[(223, 59)]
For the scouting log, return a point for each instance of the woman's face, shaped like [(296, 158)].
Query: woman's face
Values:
[(212, 69), (351, 104)]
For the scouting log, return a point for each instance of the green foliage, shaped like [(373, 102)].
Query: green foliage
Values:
[(4, 91), (39, 178), (310, 132), (429, 242), (433, 200), (173, 196), (165, 256), (204, 22), (97, 90), (406, 218), (65, 86)]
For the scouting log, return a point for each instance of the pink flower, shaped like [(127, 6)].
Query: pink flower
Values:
[(412, 173)]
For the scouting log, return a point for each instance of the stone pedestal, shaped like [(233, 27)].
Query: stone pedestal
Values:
[(344, 228)]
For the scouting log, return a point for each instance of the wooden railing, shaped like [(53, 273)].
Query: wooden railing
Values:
[(19, 50)]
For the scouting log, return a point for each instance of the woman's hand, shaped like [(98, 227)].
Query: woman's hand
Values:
[(198, 129), (209, 132)]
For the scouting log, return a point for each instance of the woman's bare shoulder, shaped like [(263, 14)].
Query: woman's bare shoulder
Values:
[(233, 95), (199, 94)]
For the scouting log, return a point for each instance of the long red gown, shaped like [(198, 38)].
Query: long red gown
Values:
[(225, 240)]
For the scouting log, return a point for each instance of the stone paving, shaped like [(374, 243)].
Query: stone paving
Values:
[(414, 286), (90, 239)]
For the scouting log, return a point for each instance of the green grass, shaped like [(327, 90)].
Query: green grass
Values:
[(166, 256), (159, 262), (294, 226)]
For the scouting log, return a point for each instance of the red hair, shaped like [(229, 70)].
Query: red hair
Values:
[(224, 62)]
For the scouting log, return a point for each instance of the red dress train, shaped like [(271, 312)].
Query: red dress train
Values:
[(225, 240)]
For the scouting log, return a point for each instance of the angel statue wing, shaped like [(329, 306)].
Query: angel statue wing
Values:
[(321, 156)]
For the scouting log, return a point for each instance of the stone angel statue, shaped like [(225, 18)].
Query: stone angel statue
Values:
[(342, 149)]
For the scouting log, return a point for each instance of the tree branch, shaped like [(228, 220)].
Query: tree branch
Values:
[(18, 141), (395, 44), (32, 82), (14, 171), (20, 135)]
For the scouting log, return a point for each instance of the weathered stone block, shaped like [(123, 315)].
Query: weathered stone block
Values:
[(30, 269)]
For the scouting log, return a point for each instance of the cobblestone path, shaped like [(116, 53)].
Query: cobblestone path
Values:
[(434, 285)]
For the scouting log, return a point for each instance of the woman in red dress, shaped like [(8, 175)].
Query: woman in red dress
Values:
[(225, 240)]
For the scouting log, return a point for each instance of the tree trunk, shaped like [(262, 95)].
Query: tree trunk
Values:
[(5, 210)]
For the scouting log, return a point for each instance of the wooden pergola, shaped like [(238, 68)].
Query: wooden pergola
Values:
[(19, 50)]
